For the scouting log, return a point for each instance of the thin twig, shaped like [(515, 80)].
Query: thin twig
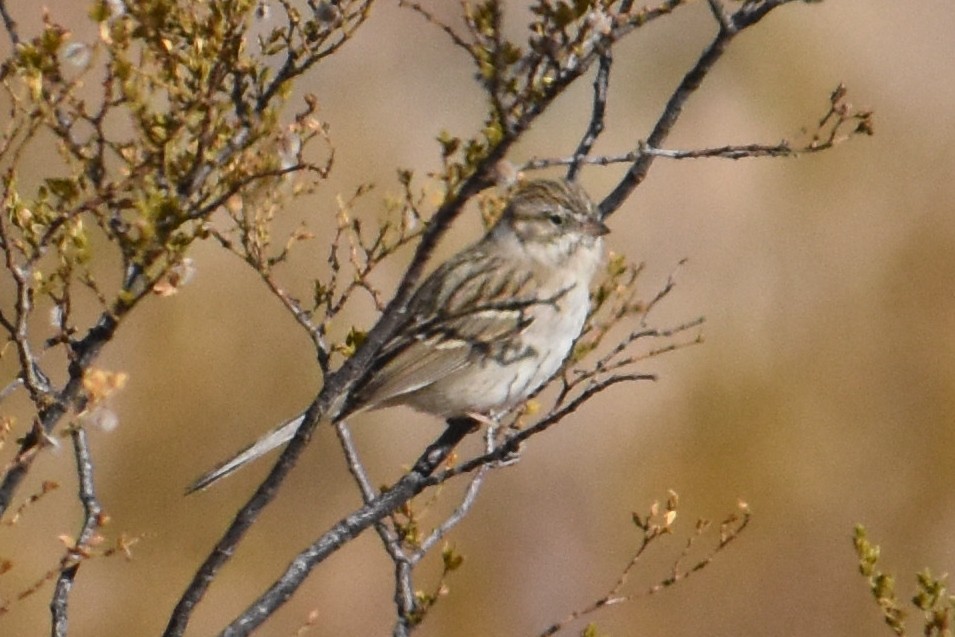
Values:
[(597, 113), (730, 529), (355, 466), (430, 17), (10, 388), (9, 24), (404, 588), (45, 488), (410, 612), (743, 151), (459, 513), (511, 443), (830, 131)]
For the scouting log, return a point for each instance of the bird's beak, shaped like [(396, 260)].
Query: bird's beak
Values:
[(594, 227)]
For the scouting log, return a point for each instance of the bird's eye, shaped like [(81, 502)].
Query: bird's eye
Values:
[(556, 219)]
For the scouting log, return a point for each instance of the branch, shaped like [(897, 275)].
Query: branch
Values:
[(84, 352), (92, 520), (412, 483), (404, 589), (423, 602), (512, 443), (338, 385), (782, 149), (475, 174), (597, 113), (430, 17), (840, 122), (654, 526), (729, 27), (410, 609), (9, 24), (467, 502)]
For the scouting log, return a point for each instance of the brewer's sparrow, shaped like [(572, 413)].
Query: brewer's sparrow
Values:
[(490, 325)]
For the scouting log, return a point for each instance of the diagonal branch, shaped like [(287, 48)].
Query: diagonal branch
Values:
[(404, 590), (730, 26), (513, 442), (337, 386), (412, 483), (86, 351), (597, 114), (9, 23), (92, 519)]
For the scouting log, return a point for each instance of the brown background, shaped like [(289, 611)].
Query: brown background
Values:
[(824, 394)]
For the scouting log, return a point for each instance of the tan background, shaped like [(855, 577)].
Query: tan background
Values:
[(823, 396)]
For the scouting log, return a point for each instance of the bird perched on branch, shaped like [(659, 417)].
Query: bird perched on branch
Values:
[(490, 326)]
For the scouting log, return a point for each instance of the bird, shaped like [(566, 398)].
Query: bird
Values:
[(489, 326)]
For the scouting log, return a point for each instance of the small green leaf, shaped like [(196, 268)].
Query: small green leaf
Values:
[(449, 144), (451, 558)]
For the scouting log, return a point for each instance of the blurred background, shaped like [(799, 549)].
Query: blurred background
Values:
[(823, 396)]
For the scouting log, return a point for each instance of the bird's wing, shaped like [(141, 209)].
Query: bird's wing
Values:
[(459, 314)]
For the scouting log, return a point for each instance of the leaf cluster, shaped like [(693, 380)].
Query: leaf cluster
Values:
[(931, 597)]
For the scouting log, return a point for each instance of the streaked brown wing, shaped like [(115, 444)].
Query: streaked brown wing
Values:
[(471, 307), (415, 366)]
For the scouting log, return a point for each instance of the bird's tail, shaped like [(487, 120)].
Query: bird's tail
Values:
[(275, 438)]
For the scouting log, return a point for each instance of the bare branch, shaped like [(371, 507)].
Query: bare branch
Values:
[(840, 123), (404, 589), (407, 487), (783, 149), (597, 113), (430, 17), (92, 520), (9, 24), (336, 386), (654, 526), (723, 18), (467, 502), (749, 14)]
